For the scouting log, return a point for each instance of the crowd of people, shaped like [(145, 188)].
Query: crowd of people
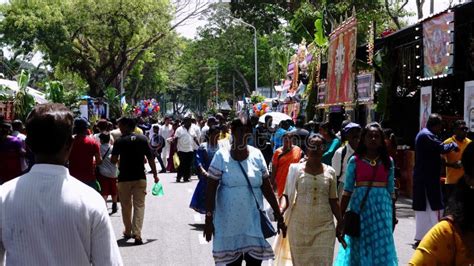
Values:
[(320, 185)]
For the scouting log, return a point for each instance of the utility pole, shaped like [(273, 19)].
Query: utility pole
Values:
[(233, 91), (431, 7), (122, 90), (217, 87), (255, 47)]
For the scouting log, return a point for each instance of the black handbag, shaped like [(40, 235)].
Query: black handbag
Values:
[(351, 220), (266, 225)]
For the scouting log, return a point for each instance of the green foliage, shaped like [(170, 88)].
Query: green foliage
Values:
[(386, 71), (97, 39), (265, 16), (303, 21), (113, 99), (55, 92), (254, 99), (320, 38), (4, 95), (23, 101)]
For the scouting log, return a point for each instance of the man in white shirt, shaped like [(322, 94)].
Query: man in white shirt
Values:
[(197, 131), (340, 159), (166, 131), (187, 140), (48, 217)]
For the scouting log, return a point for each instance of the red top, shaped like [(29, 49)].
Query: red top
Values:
[(81, 160), (365, 172), (10, 158)]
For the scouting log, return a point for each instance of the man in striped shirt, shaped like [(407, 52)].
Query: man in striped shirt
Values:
[(47, 217)]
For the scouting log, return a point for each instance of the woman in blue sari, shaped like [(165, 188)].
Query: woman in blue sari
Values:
[(203, 159)]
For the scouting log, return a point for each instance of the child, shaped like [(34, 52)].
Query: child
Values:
[(157, 142), (107, 171)]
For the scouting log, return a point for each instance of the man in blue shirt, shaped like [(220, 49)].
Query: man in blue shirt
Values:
[(427, 197)]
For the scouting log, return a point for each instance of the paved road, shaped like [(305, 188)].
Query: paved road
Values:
[(172, 232)]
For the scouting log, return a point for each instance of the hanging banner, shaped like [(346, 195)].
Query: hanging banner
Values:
[(469, 104), (438, 46), (425, 105), (365, 85), (342, 52), (6, 110)]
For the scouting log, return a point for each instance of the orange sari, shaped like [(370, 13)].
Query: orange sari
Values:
[(281, 164)]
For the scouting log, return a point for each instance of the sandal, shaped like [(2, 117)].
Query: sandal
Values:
[(127, 236)]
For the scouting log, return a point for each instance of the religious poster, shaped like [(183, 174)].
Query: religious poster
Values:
[(469, 104), (341, 56), (425, 105), (438, 45), (6, 110), (365, 85)]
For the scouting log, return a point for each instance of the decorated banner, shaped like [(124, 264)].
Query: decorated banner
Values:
[(438, 45), (365, 85), (6, 110), (425, 105), (342, 52), (469, 104)]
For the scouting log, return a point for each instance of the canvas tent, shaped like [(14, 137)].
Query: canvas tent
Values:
[(12, 86)]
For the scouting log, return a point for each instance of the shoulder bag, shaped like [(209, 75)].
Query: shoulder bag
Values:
[(97, 169), (351, 221), (266, 225)]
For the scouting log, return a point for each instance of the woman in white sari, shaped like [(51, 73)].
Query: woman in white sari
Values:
[(311, 202)]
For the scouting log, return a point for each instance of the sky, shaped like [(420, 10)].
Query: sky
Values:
[(189, 29)]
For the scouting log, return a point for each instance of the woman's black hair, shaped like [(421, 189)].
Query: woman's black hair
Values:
[(460, 205), (104, 138), (383, 152), (328, 128), (312, 136), (212, 130)]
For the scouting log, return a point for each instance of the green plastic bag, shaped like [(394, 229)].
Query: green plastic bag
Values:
[(157, 189)]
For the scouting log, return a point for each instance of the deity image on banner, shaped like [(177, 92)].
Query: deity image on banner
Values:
[(341, 58)]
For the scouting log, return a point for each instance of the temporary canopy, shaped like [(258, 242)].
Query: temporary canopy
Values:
[(12, 89)]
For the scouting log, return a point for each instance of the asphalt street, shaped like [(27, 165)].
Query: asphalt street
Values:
[(172, 232)]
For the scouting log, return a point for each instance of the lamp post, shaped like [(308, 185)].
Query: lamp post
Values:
[(255, 46), (217, 87)]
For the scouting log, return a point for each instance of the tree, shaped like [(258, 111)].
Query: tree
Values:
[(23, 101), (266, 16), (97, 39), (395, 8), (419, 8)]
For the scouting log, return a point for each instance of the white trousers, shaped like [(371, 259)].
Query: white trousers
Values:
[(165, 153), (425, 220)]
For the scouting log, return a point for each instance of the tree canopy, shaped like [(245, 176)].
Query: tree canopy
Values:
[(97, 39)]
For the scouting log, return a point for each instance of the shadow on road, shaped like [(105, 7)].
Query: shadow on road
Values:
[(124, 242), (404, 209), (197, 227)]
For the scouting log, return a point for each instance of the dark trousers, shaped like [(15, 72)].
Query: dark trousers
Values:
[(160, 160), (448, 191), (158, 157), (185, 163), (249, 261)]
